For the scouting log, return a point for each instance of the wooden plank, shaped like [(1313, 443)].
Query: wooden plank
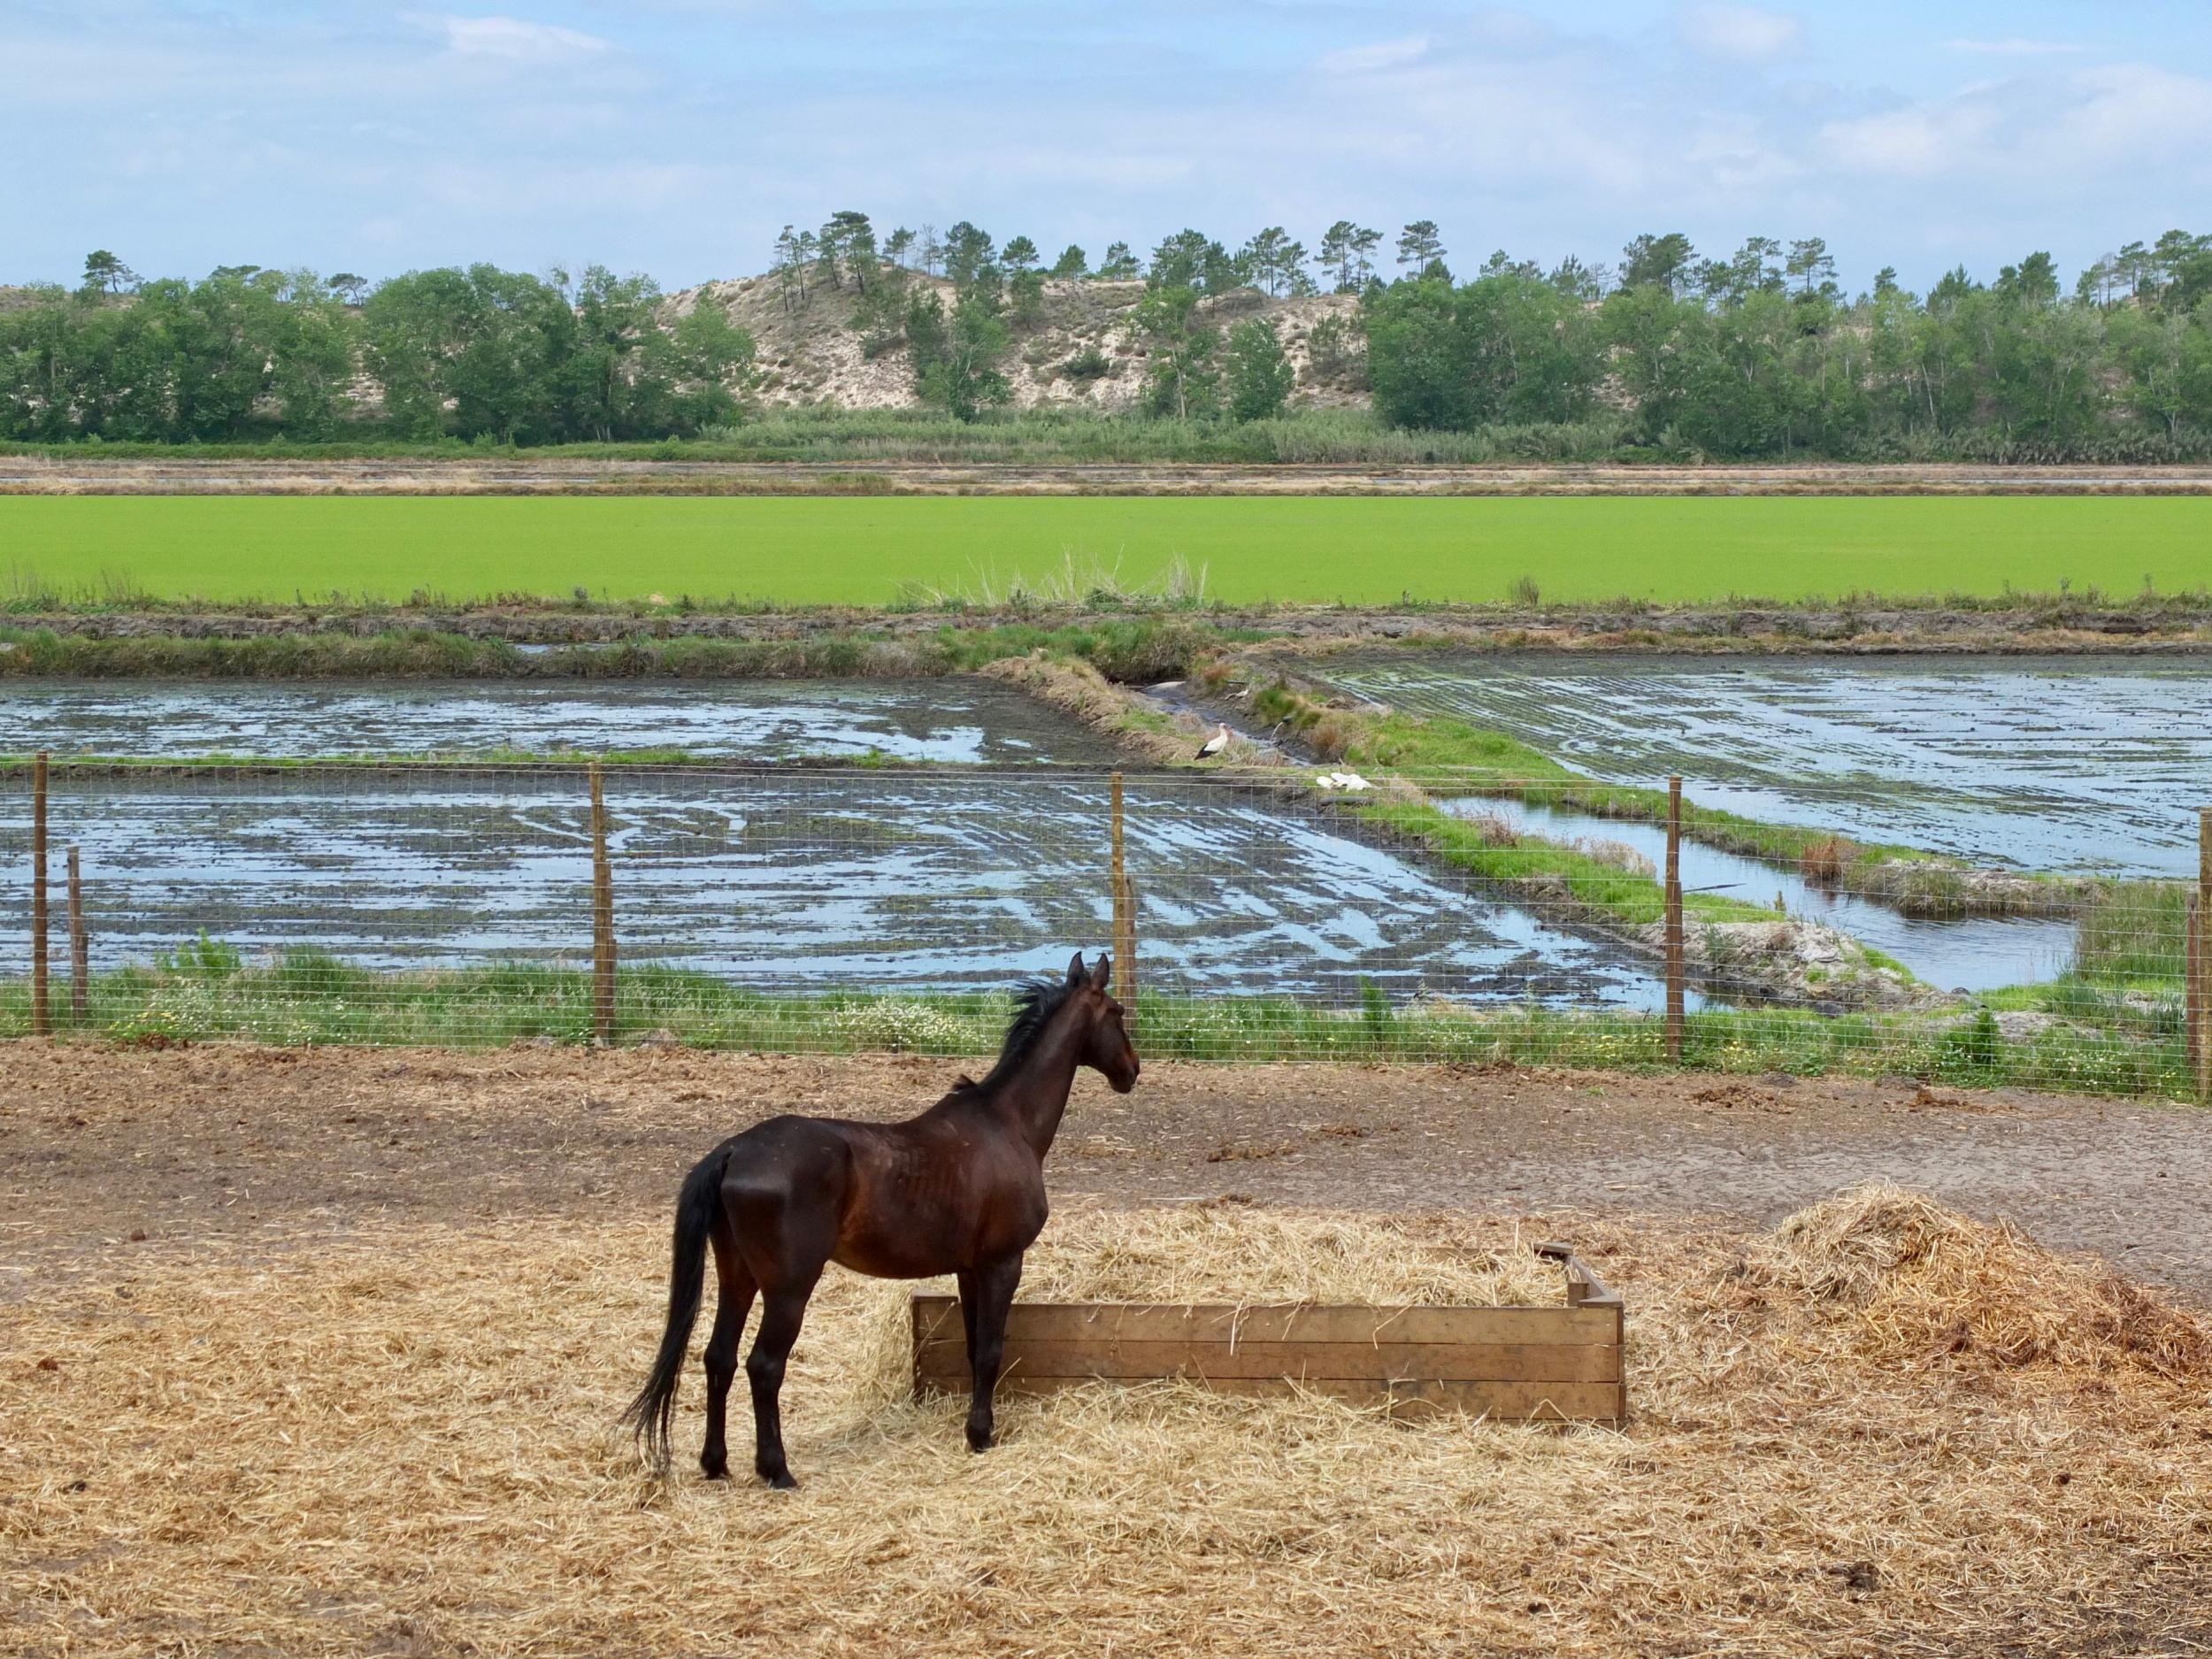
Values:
[(1501, 1362), (1224, 1322), (1515, 1402), (1123, 896), (79, 949)]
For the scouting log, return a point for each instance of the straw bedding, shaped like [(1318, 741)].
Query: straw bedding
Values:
[(398, 1442)]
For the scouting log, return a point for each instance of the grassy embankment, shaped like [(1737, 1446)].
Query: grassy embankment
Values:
[(1033, 437), (204, 993), (1241, 550), (1135, 648)]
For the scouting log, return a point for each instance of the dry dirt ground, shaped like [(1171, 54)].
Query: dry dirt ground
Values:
[(315, 1351), (220, 1141)]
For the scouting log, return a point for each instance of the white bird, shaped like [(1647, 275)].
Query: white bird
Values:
[(1350, 782), (1215, 744)]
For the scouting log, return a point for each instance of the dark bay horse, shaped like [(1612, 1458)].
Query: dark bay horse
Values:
[(960, 1189)]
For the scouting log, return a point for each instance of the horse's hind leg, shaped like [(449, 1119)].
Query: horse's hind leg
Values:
[(784, 1213), (736, 1288), (781, 1311)]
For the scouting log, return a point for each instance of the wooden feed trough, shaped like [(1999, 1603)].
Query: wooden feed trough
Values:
[(1560, 1364)]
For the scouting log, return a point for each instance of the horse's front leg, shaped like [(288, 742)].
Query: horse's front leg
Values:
[(968, 1294), (995, 1286)]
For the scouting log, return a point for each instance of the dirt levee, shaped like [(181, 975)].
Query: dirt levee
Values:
[(238, 1141)]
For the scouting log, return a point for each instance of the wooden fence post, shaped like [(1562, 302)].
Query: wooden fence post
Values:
[(1124, 915), (2200, 955), (42, 1015), (80, 952), (1675, 952), (2193, 984), (603, 947)]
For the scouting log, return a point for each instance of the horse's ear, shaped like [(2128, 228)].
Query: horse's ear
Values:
[(1075, 969), (1102, 972)]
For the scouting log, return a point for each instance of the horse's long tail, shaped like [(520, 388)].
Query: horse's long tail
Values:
[(651, 1413)]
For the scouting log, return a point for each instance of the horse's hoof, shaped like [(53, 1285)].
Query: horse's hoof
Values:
[(983, 1442), (718, 1470), (781, 1481)]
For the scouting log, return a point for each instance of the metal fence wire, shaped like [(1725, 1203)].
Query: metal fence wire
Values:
[(1282, 914)]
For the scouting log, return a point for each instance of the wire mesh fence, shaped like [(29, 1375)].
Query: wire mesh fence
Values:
[(1278, 914)]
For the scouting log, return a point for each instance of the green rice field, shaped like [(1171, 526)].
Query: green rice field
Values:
[(1245, 549)]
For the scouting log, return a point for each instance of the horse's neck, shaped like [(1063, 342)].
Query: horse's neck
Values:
[(1037, 1095)]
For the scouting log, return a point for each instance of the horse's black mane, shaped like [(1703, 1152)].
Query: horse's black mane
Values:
[(1036, 1002)]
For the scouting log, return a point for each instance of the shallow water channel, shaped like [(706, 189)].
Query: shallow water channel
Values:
[(787, 880), (1977, 954), (2059, 764)]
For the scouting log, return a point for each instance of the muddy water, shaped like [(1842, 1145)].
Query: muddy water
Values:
[(777, 881), (960, 718), (2067, 763)]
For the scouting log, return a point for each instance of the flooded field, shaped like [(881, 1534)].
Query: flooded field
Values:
[(811, 880), (2062, 764), (963, 718), (1979, 954)]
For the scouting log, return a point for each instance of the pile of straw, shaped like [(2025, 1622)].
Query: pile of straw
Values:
[(1916, 1283), (401, 1442)]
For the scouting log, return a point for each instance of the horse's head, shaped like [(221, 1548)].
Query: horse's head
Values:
[(1106, 1046)]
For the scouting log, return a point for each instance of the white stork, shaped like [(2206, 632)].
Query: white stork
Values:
[(1215, 744)]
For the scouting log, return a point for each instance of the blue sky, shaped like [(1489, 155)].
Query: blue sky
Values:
[(676, 136)]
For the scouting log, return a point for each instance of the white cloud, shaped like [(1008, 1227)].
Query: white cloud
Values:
[(1362, 60), (515, 40), (422, 137), (2131, 111), (2017, 48), (2034, 135), (1740, 33), (1920, 141), (1503, 28)]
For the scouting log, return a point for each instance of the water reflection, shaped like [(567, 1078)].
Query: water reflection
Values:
[(783, 880), (952, 718)]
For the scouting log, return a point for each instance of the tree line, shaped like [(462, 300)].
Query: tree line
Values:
[(246, 353), (1755, 353), (1761, 354)]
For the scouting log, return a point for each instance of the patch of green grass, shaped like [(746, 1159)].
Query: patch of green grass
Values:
[(203, 993), (1623, 897), (866, 552), (2132, 934)]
